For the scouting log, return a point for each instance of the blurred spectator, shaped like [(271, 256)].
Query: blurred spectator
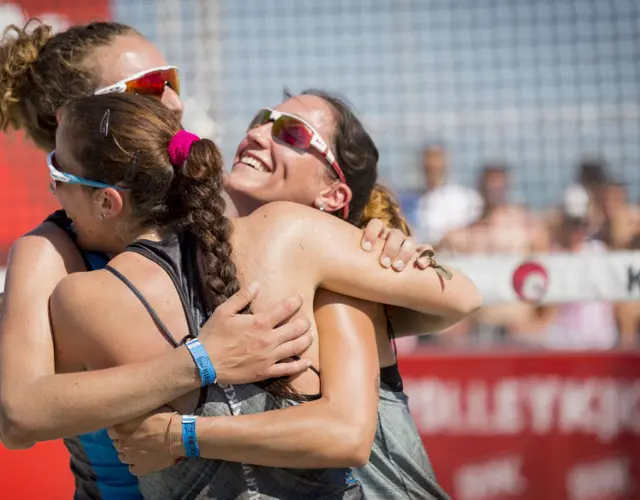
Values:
[(621, 219), (592, 175), (583, 325), (503, 228), (445, 205), (628, 313)]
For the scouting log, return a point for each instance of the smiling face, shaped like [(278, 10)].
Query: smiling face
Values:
[(266, 169)]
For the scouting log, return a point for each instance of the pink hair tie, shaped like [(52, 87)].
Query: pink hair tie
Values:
[(179, 147)]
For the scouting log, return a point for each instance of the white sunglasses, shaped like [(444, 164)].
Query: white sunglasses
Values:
[(148, 82)]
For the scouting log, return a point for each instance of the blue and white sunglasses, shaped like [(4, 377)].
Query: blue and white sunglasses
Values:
[(58, 176)]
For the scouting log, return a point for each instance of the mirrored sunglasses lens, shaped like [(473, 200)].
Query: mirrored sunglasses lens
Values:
[(154, 83), (292, 132)]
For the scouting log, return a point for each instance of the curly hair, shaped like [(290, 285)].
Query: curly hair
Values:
[(383, 205), (40, 71)]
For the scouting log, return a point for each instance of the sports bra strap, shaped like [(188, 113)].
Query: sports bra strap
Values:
[(145, 251), (312, 368), (163, 328)]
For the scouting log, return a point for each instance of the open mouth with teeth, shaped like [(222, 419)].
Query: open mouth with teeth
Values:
[(253, 163)]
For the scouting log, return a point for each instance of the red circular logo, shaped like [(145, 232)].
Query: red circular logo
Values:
[(530, 281)]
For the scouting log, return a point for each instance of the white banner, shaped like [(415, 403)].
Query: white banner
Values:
[(553, 278)]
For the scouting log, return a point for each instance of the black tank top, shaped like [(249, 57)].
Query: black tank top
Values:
[(176, 255)]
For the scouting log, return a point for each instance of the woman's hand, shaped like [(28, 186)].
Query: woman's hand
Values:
[(146, 444), (398, 248)]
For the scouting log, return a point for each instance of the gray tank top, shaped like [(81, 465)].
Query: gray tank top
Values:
[(215, 479), (398, 466), (195, 478)]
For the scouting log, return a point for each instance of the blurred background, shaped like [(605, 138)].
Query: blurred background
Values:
[(510, 131)]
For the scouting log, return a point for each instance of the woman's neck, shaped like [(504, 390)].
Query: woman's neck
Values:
[(143, 234), (239, 204), (151, 235)]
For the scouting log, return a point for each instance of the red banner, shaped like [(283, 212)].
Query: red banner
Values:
[(41, 472), (530, 426), (24, 195), (496, 426)]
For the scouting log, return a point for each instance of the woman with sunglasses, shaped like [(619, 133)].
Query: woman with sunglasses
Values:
[(163, 217), (38, 73)]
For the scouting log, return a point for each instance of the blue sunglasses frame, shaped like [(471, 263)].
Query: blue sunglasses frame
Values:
[(58, 176)]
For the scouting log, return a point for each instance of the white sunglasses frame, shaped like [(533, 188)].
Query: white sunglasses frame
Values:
[(121, 86)]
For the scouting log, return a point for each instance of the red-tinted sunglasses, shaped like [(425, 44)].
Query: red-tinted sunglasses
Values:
[(149, 82), (296, 132)]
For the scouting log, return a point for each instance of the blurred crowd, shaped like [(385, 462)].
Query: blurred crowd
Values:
[(594, 215)]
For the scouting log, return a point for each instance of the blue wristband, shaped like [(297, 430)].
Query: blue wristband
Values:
[(199, 354), (189, 440)]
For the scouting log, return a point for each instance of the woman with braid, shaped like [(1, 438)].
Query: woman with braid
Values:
[(162, 216)]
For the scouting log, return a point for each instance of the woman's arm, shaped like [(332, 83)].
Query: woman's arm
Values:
[(326, 247), (408, 323), (398, 250), (36, 404), (334, 431)]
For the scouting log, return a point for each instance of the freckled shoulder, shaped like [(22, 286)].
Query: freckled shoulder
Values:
[(280, 224)]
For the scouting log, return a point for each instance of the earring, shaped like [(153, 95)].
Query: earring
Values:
[(321, 208), (101, 216)]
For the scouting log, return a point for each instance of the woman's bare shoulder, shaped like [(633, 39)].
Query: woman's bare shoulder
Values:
[(285, 219), (49, 241), (85, 290), (279, 212)]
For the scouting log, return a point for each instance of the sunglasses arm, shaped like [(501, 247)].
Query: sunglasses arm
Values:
[(118, 87)]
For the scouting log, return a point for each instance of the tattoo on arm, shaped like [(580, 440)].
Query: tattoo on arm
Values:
[(440, 270)]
